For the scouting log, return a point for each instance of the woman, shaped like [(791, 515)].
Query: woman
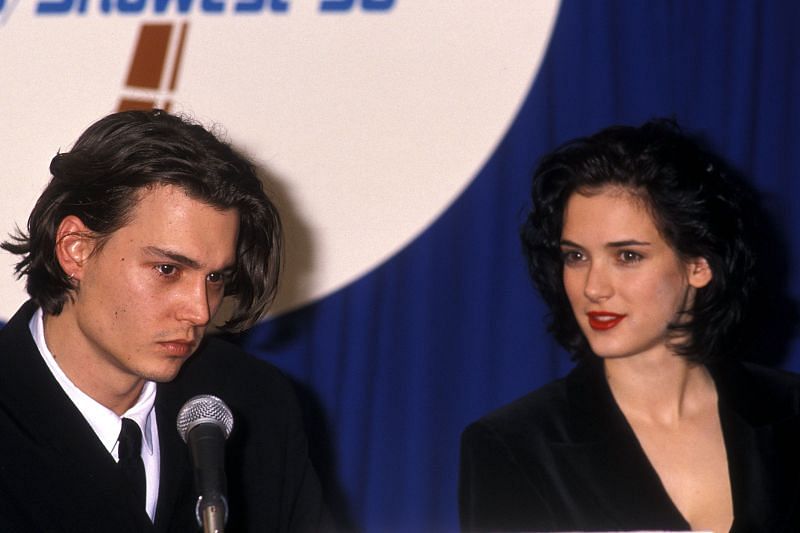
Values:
[(639, 245)]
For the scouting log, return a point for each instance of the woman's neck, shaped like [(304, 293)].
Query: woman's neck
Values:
[(663, 388)]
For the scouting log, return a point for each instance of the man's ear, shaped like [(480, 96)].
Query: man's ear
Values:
[(74, 246), (699, 272)]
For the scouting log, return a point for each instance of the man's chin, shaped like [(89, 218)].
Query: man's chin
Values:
[(164, 375)]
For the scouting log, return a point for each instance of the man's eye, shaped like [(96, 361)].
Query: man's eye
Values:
[(166, 270), (215, 277)]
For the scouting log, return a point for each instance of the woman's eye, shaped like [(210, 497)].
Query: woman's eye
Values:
[(215, 277), (571, 257), (628, 256)]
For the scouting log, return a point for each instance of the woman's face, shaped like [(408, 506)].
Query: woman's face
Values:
[(624, 282)]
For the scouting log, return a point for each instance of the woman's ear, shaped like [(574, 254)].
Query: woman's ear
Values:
[(74, 245), (699, 272)]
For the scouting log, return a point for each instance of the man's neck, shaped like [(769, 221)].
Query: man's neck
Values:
[(83, 365)]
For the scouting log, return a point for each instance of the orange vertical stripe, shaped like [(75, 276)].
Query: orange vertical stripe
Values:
[(178, 56), (150, 55)]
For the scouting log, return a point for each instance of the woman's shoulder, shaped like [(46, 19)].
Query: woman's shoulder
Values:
[(541, 403), (761, 378), (584, 386), (757, 391), (546, 414)]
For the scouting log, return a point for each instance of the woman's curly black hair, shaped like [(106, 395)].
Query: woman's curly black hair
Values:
[(697, 206)]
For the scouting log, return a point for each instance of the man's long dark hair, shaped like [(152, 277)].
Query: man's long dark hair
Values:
[(100, 181)]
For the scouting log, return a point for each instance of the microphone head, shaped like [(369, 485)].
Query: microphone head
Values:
[(204, 409)]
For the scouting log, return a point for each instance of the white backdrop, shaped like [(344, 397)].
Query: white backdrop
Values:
[(369, 122)]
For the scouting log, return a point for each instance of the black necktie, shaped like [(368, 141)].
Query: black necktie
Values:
[(130, 458)]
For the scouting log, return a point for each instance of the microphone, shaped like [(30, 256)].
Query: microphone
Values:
[(204, 423)]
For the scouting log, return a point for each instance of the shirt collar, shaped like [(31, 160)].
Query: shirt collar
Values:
[(105, 422)]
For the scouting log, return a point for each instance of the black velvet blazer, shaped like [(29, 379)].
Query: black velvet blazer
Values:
[(564, 458), (56, 476)]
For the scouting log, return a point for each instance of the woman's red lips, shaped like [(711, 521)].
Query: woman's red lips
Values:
[(603, 320)]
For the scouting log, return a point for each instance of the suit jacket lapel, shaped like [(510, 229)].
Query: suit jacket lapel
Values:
[(88, 474), (608, 458), (176, 505), (761, 429), (51, 418)]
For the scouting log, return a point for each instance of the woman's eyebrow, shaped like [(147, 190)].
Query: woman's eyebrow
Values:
[(613, 244), (628, 242)]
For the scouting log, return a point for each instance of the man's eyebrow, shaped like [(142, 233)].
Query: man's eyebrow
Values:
[(173, 256)]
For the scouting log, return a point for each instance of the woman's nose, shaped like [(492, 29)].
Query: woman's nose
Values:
[(598, 285)]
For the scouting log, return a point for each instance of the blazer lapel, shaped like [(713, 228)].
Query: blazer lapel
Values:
[(176, 504), (761, 427), (61, 435), (606, 457)]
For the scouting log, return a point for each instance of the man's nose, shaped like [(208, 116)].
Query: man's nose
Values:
[(195, 308)]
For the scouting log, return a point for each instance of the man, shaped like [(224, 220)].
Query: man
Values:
[(147, 223)]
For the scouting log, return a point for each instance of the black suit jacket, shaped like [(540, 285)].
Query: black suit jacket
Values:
[(55, 475), (565, 458)]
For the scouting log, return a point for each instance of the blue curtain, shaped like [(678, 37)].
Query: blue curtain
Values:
[(392, 367)]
